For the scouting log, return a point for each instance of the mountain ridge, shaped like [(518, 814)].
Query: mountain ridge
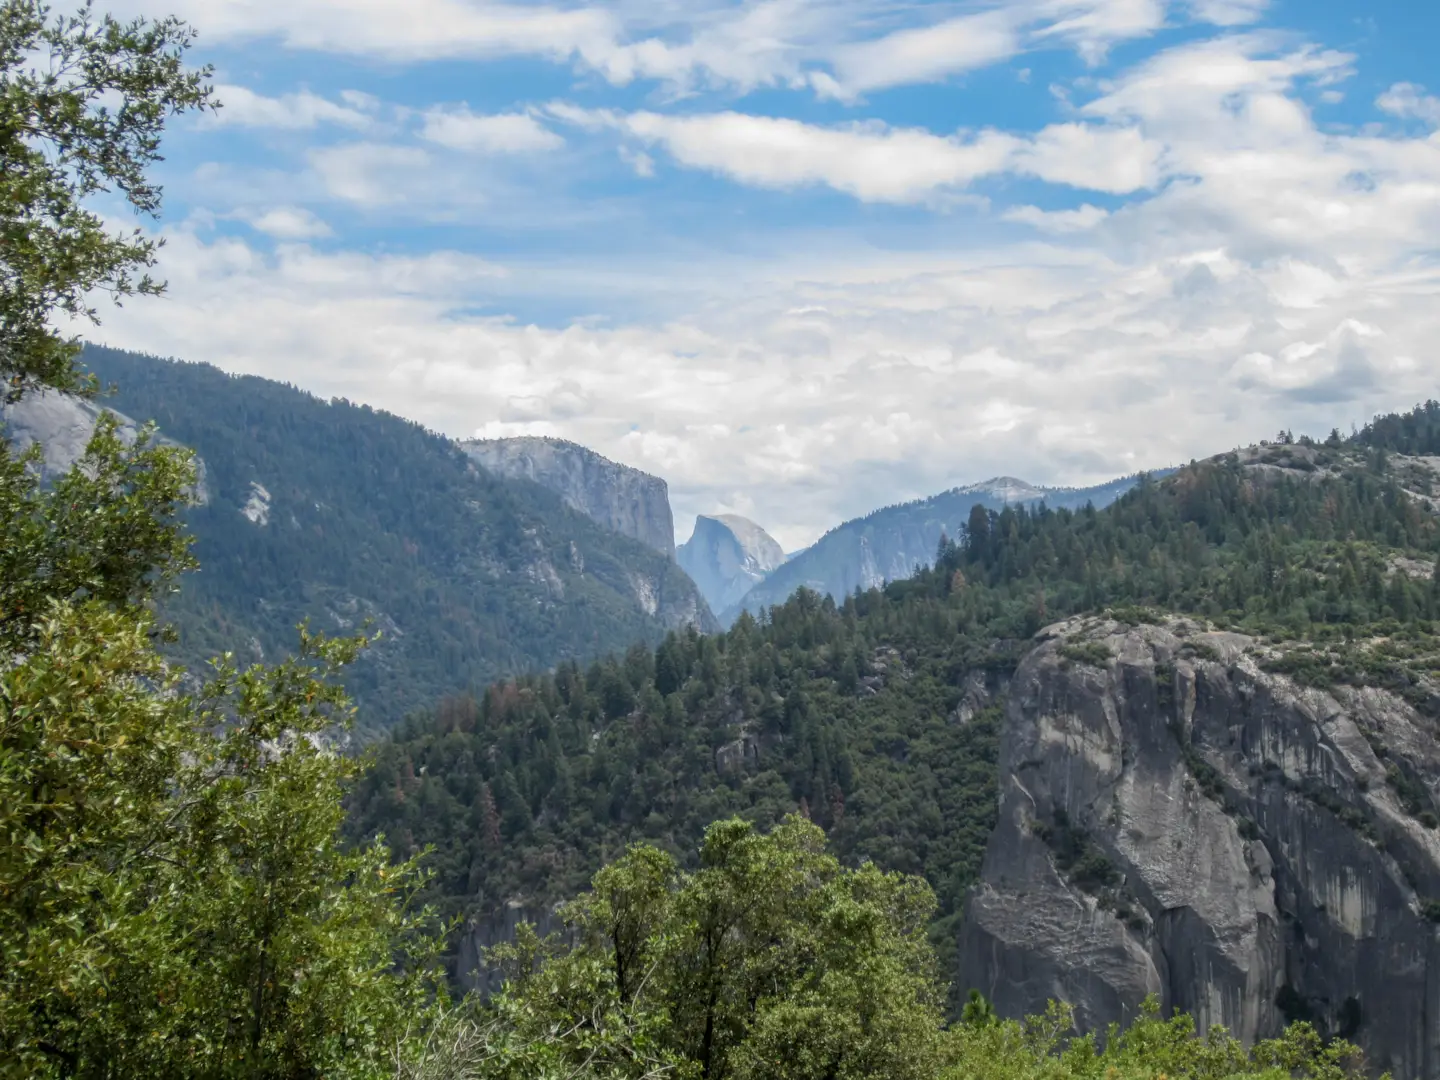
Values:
[(344, 514), (891, 542)]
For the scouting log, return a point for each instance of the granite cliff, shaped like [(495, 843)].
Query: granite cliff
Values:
[(890, 543), (727, 556), (1178, 818), (62, 425), (626, 500)]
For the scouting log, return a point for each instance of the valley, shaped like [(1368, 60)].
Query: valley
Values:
[(410, 731), (1171, 736), (1200, 711)]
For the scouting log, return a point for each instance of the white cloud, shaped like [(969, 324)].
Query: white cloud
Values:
[(877, 163), (370, 174), (1265, 273), (1410, 102), (1229, 12), (1093, 26), (1081, 219), (241, 107), (506, 133), (641, 162), (925, 54), (1251, 166), (871, 162), (503, 429), (414, 30), (840, 47), (1115, 160), (289, 223)]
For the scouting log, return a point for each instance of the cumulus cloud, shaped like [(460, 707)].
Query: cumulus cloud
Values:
[(1248, 269), (1114, 160), (288, 223), (1410, 102), (242, 107), (505, 133)]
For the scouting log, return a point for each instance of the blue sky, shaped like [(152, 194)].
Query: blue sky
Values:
[(807, 257)]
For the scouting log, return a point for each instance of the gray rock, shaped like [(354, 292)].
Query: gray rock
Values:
[(482, 932), (1180, 822), (62, 426), (630, 502), (726, 556)]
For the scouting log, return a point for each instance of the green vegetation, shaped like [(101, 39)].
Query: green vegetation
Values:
[(1415, 433), (175, 900), (850, 713), (82, 105), (466, 577), (1076, 856), (771, 961), (1094, 653), (525, 793), (176, 895)]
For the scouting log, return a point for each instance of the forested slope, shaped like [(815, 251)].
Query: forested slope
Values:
[(340, 513), (879, 717)]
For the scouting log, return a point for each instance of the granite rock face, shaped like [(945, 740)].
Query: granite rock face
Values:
[(62, 426), (1175, 820), (891, 543), (626, 500), (727, 556)]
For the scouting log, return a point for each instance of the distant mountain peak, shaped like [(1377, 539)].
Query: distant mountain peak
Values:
[(894, 541), (726, 556)]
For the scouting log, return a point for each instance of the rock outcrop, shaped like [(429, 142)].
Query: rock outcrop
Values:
[(727, 556), (891, 543), (62, 426), (1177, 820), (631, 502)]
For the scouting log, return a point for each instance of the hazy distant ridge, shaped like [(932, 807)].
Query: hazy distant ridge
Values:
[(890, 543)]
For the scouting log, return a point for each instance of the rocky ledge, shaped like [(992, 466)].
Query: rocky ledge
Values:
[(1176, 820)]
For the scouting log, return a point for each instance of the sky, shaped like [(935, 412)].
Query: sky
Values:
[(805, 258)]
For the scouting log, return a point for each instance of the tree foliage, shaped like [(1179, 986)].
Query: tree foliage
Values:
[(1415, 432), (772, 960), (175, 900), (879, 718), (83, 102)]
